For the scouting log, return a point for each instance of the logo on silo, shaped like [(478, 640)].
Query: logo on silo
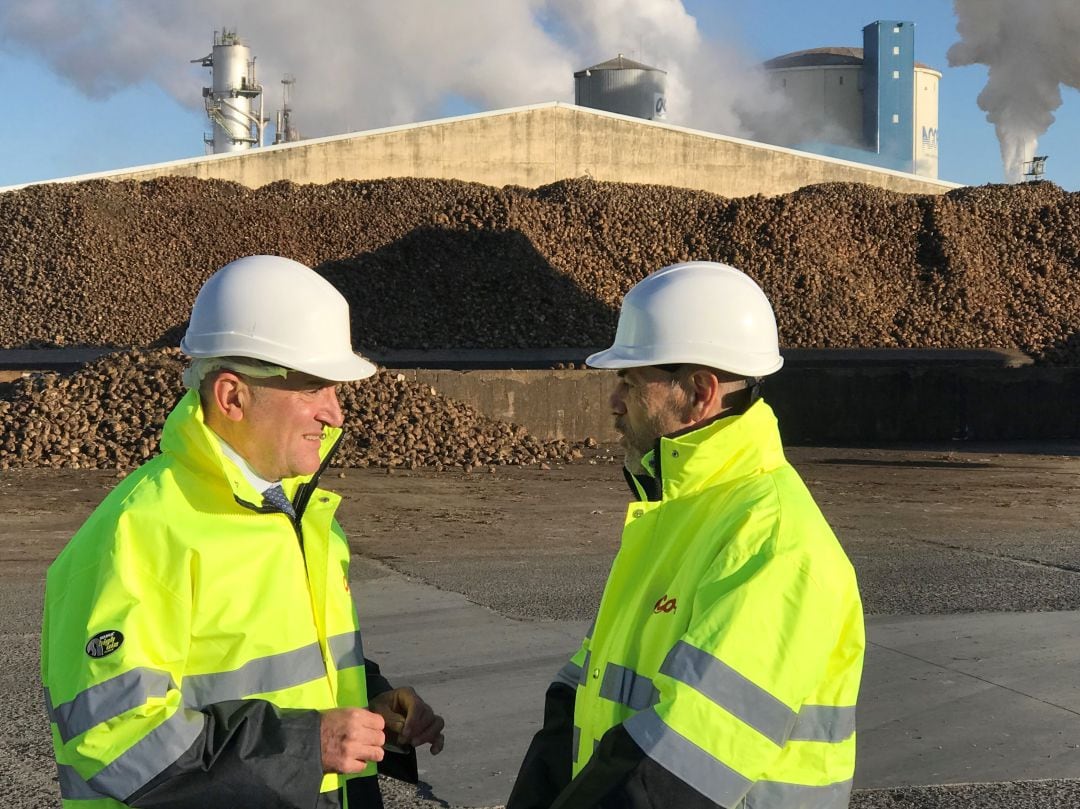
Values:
[(929, 139), (659, 107)]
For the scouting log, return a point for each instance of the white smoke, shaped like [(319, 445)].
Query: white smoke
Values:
[(358, 64), (361, 64), (659, 33), (1030, 50)]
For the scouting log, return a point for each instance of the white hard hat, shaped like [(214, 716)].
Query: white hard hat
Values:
[(701, 313), (276, 310)]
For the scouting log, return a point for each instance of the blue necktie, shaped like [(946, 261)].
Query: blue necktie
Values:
[(274, 497)]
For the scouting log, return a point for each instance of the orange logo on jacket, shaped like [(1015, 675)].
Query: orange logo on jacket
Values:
[(665, 604)]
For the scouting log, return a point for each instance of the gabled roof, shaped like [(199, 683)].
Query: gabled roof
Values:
[(620, 62)]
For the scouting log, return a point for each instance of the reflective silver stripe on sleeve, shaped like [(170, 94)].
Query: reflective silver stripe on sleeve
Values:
[(347, 650), (824, 723), (678, 755), (569, 674), (779, 795), (730, 690), (585, 669), (258, 676), (627, 687), (150, 755), (104, 701), (575, 744), (74, 788)]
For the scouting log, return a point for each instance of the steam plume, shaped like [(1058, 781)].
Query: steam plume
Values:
[(367, 63), (1030, 49)]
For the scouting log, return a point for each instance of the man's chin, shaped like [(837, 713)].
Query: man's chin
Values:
[(305, 468), (632, 459)]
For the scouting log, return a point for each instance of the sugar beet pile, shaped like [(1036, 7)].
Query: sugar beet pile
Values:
[(446, 264), (453, 264), (109, 415)]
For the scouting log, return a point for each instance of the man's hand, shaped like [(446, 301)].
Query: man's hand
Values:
[(409, 720), (350, 738)]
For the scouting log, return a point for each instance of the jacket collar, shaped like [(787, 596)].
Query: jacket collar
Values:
[(186, 437), (261, 484), (725, 449)]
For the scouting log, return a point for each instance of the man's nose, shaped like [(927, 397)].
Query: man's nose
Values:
[(330, 407), (617, 399)]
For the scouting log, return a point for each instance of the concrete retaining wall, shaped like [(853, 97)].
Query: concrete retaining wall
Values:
[(863, 403), (832, 397), (866, 405), (552, 404), (533, 146)]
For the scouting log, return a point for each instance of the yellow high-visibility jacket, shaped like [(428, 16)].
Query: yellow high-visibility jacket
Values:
[(191, 635), (724, 663)]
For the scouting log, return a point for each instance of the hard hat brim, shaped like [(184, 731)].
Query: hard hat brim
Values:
[(615, 359), (346, 369), (611, 359)]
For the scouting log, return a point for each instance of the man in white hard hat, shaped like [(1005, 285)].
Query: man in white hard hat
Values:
[(724, 663), (200, 646)]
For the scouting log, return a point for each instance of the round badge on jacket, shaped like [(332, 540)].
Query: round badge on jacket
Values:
[(104, 643)]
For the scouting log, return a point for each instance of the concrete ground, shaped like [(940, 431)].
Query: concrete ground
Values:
[(474, 589), (946, 699)]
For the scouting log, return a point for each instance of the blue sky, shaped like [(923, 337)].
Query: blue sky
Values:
[(54, 130)]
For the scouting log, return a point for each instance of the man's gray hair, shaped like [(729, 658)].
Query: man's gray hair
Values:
[(201, 367)]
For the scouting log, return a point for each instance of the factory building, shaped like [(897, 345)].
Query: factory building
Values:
[(873, 104), (880, 113), (536, 145)]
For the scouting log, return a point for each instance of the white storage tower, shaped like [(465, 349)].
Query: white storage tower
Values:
[(230, 100), (624, 86)]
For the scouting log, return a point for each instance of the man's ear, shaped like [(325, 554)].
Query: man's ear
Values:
[(230, 395), (706, 393)]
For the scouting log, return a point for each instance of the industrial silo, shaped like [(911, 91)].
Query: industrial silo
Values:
[(825, 87), (229, 100), (623, 86), (874, 99)]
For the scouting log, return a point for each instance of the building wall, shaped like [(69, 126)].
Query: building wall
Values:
[(826, 100), (889, 71), (828, 103), (926, 122), (533, 146)]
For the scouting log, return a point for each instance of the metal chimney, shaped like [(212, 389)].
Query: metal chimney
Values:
[(230, 99)]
